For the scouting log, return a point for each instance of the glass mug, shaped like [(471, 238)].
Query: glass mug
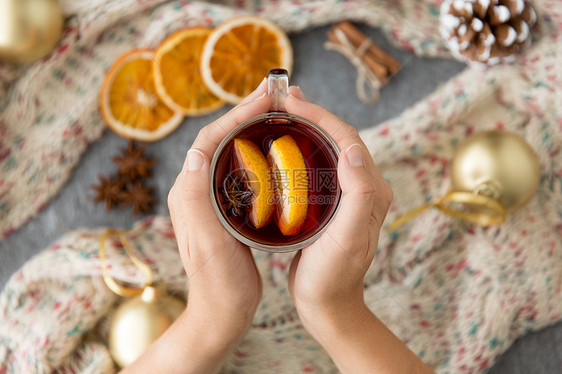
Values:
[(274, 180)]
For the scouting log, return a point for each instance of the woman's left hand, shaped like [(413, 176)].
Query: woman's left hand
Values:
[(224, 283)]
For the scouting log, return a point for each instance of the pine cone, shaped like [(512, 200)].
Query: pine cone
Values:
[(487, 31)]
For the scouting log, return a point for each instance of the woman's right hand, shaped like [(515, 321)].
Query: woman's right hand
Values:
[(326, 279)]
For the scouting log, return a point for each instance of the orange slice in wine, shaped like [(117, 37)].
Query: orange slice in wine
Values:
[(258, 180), (291, 181)]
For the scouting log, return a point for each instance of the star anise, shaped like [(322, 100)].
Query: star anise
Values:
[(236, 196), (139, 196), (132, 162), (108, 190)]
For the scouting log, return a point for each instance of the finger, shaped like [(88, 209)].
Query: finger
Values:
[(343, 133), (189, 197), (259, 91), (296, 91), (211, 135), (365, 199), (190, 205), (359, 178)]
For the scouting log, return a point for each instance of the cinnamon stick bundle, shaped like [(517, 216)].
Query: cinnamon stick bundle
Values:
[(379, 62)]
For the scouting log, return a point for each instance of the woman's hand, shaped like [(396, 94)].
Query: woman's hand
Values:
[(326, 278), (224, 283)]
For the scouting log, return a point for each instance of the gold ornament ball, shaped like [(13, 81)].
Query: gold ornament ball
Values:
[(29, 29), (138, 322), (499, 164)]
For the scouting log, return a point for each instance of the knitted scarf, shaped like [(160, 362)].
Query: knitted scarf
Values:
[(458, 295)]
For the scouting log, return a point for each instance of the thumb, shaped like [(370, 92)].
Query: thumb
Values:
[(359, 186), (196, 191), (188, 200), (195, 172)]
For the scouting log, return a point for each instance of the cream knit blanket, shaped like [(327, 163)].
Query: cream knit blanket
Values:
[(457, 294)]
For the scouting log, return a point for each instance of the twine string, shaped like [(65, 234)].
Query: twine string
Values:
[(367, 84)]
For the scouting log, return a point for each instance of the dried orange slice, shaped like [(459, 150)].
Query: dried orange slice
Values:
[(258, 179), (128, 100), (291, 181), (239, 53), (176, 73)]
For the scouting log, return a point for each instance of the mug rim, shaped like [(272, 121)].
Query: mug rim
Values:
[(277, 248)]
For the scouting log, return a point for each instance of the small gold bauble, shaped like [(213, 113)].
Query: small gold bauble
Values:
[(139, 321), (498, 164), (29, 29)]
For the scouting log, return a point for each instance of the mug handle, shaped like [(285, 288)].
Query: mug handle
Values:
[(278, 88)]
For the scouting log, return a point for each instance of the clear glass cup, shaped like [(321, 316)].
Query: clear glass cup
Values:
[(235, 188)]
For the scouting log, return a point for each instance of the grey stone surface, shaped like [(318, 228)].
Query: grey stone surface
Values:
[(326, 78)]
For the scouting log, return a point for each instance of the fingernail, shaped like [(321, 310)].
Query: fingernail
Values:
[(260, 96), (355, 155), (195, 160), (250, 97), (300, 95), (262, 84), (294, 97)]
